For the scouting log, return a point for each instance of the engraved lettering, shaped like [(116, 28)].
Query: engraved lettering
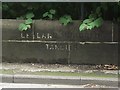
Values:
[(43, 36), (38, 35), (51, 47), (27, 35), (47, 46), (49, 36), (56, 47), (22, 36)]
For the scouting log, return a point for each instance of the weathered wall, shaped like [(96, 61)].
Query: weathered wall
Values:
[(50, 42)]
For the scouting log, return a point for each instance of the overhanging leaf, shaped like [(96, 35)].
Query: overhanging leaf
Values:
[(45, 14), (98, 22), (65, 20), (28, 21), (82, 27), (92, 24), (50, 16), (89, 27), (67, 16), (92, 16), (52, 11), (62, 20), (24, 28), (86, 21), (29, 15), (28, 26), (21, 26), (69, 19)]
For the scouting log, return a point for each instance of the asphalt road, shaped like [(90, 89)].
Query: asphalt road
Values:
[(23, 86), (61, 80)]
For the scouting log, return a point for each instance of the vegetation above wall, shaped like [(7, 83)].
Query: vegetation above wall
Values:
[(92, 14)]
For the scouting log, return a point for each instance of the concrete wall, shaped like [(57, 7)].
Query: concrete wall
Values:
[(51, 42)]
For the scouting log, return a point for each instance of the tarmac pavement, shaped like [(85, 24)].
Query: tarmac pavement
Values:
[(19, 78), (60, 80)]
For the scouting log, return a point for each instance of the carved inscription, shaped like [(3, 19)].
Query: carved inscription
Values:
[(57, 46), (43, 36), (24, 35), (37, 36), (66, 36)]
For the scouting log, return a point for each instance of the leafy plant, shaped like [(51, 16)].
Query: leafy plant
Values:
[(24, 27), (5, 7), (49, 14), (29, 15), (28, 22), (94, 20), (65, 20)]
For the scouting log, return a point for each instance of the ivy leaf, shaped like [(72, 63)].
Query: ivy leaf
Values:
[(45, 14), (25, 28), (89, 27), (87, 21), (29, 15), (50, 16), (92, 24), (21, 26), (28, 26), (52, 11), (82, 27), (65, 20), (98, 22), (29, 21), (92, 16), (69, 19), (62, 20), (65, 23)]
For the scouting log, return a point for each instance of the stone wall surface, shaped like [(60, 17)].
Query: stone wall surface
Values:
[(50, 42)]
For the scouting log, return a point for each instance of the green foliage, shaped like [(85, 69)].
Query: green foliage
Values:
[(52, 11), (5, 7), (24, 27), (49, 14), (29, 15), (107, 11), (94, 20), (66, 19), (89, 24), (12, 10), (28, 22)]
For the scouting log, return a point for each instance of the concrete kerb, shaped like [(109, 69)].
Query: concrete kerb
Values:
[(66, 80)]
